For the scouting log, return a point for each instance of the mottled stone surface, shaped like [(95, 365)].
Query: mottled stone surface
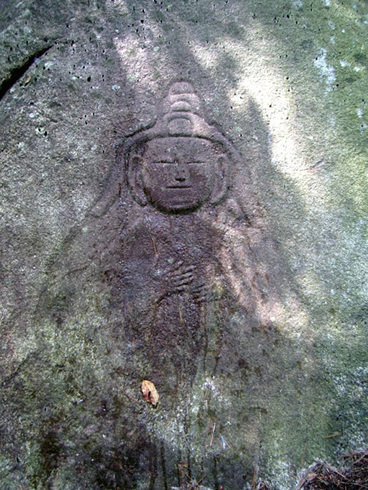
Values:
[(244, 302)]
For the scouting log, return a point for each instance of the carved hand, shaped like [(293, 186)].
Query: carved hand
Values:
[(180, 278)]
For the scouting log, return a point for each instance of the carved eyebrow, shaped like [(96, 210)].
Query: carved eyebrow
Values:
[(173, 162), (158, 160)]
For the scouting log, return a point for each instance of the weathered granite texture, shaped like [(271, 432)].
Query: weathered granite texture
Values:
[(247, 312)]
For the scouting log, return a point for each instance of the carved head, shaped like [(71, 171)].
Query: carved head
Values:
[(181, 163)]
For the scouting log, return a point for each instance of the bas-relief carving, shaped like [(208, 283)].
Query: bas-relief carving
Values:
[(173, 281), (162, 282)]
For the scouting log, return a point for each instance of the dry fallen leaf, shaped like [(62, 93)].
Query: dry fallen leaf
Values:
[(149, 392), (28, 80)]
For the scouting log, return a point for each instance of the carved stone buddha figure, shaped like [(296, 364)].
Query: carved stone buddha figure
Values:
[(172, 277), (169, 252)]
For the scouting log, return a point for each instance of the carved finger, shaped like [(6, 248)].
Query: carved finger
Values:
[(183, 279), (176, 266)]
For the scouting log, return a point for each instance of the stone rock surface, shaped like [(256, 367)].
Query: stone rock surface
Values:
[(247, 308)]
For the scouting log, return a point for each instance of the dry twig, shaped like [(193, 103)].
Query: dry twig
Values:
[(324, 476)]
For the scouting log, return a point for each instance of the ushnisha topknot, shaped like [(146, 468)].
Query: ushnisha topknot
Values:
[(181, 99), (180, 113)]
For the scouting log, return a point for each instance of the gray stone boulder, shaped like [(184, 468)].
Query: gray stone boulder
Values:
[(183, 201)]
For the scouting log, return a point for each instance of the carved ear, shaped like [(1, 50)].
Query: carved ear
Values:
[(221, 184), (135, 179)]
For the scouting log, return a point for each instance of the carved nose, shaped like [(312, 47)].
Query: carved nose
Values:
[(181, 172)]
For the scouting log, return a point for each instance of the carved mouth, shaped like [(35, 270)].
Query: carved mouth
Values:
[(179, 186)]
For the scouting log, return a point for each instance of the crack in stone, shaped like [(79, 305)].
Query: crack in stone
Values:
[(19, 71)]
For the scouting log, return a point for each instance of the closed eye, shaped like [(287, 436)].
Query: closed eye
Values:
[(177, 163)]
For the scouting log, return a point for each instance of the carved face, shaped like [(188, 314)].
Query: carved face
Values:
[(179, 174)]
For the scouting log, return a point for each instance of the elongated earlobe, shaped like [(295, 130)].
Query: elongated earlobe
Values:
[(134, 177), (221, 184)]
